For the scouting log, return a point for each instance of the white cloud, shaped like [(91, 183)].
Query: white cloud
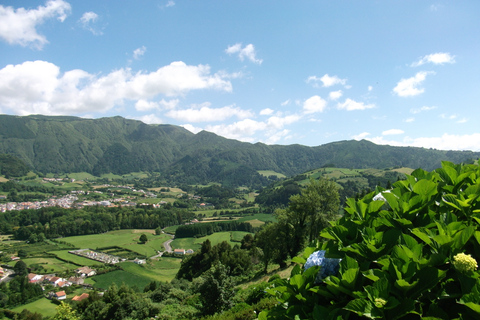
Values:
[(144, 105), (409, 87), (191, 128), (38, 87), (445, 142), (150, 119), (370, 88), (170, 104), (204, 113), (410, 120), (361, 136), (435, 58), (242, 130), (463, 120), (424, 108), (327, 81), (277, 136), (137, 53), (448, 117), (335, 95), (279, 122), (266, 112), (88, 21), (351, 105), (170, 4), (246, 52), (284, 103), (392, 132), (18, 26), (314, 104)]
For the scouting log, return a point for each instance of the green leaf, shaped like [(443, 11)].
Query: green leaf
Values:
[(462, 237), (425, 188), (364, 308)]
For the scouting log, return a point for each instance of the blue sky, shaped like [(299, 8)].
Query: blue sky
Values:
[(279, 72)]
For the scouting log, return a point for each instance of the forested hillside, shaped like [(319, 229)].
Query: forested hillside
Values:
[(118, 145)]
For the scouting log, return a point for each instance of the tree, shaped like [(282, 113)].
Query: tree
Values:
[(20, 268), (216, 290), (310, 211), (65, 312), (143, 238)]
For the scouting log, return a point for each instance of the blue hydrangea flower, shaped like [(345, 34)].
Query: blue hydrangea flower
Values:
[(328, 266)]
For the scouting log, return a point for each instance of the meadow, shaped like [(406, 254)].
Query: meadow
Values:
[(43, 306), (127, 239), (50, 265), (216, 238), (163, 269)]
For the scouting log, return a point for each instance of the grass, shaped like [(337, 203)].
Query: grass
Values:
[(268, 173), (132, 274), (237, 236), (265, 217), (127, 239), (64, 254), (119, 277), (49, 264), (196, 243), (43, 306)]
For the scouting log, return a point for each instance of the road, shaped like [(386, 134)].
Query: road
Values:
[(166, 244)]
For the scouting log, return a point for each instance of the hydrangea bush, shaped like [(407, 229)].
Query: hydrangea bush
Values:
[(328, 266), (411, 253)]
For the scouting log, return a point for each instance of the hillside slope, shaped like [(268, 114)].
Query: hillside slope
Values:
[(118, 145)]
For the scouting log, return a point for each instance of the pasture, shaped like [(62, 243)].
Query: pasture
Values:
[(268, 173), (127, 239), (216, 238), (43, 306), (81, 261), (49, 264), (163, 269)]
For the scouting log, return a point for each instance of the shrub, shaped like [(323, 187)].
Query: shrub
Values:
[(406, 253)]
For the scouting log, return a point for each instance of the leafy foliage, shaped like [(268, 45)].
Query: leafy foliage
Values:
[(204, 229), (400, 252), (11, 166)]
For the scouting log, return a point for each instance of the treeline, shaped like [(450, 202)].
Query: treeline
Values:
[(237, 260), (18, 290), (11, 166), (53, 222), (198, 230)]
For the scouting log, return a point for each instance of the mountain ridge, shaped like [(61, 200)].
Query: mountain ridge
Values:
[(61, 144)]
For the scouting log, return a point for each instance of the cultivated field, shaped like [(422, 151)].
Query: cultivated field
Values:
[(127, 239), (132, 274), (43, 306), (196, 243)]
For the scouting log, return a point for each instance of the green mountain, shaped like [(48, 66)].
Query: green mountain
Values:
[(69, 144)]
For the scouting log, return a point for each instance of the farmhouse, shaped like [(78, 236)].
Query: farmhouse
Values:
[(81, 297), (86, 272), (61, 295), (76, 280), (34, 278), (179, 251), (139, 261)]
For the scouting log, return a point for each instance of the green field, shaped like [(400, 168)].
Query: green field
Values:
[(127, 239), (216, 238), (43, 306), (268, 173), (64, 254), (49, 264), (132, 274)]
